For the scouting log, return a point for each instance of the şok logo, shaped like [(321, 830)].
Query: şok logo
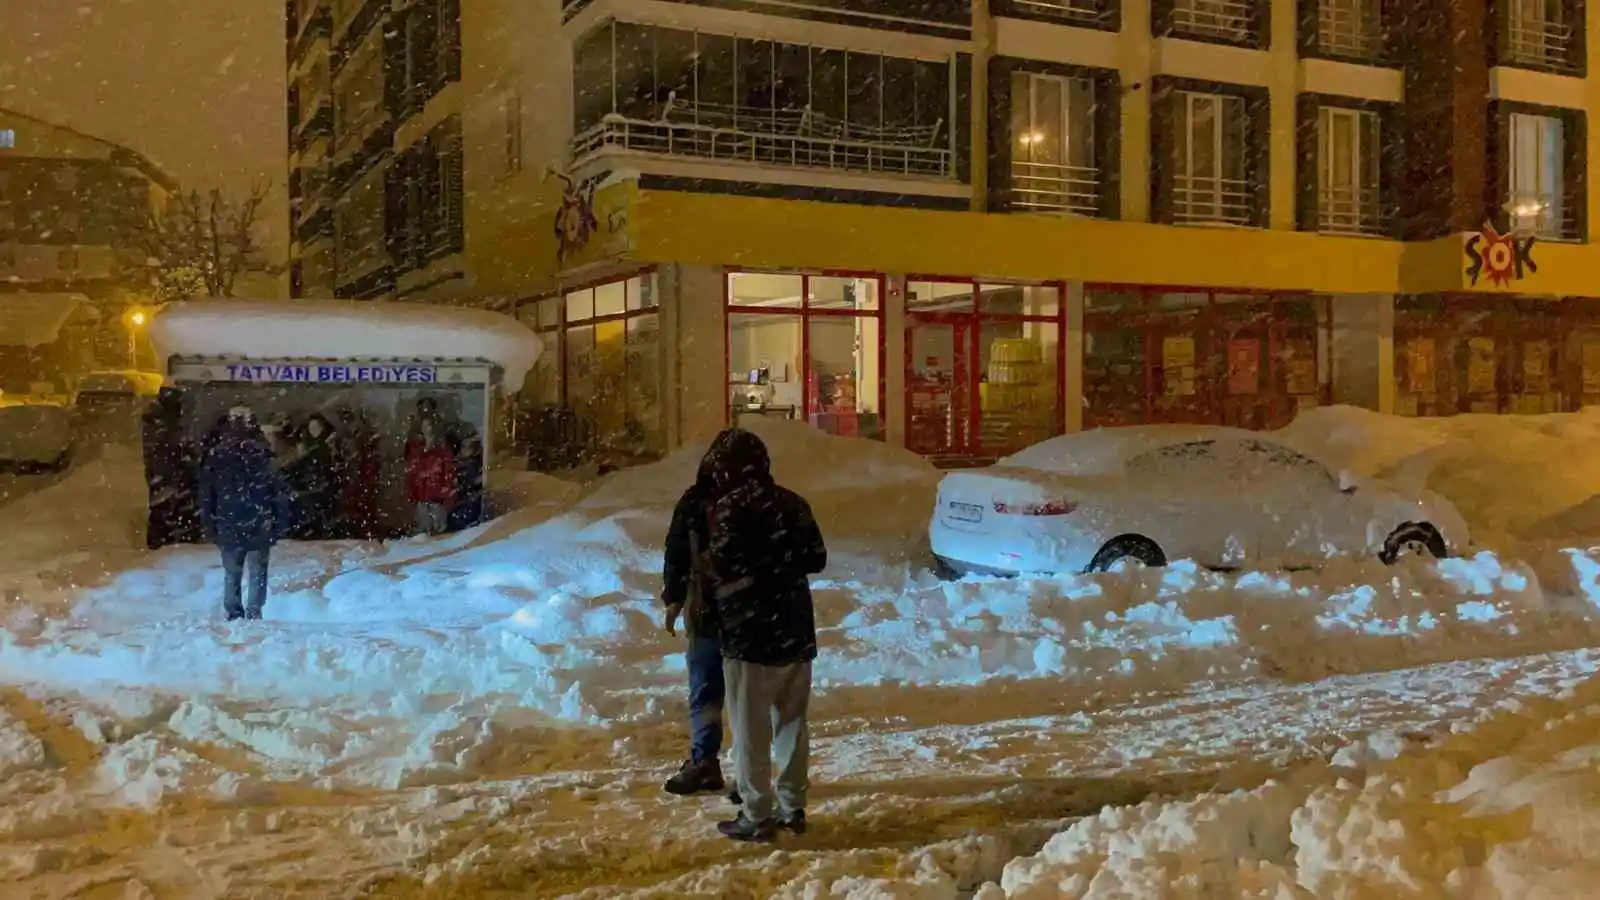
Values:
[(1500, 258)]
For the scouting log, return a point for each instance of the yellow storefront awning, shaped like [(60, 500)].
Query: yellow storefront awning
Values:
[(33, 320)]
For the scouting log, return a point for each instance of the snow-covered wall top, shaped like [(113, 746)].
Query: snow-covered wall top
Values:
[(344, 329)]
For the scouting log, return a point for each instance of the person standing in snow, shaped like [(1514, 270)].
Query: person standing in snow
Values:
[(683, 592), (430, 477), (312, 480), (244, 505), (764, 544)]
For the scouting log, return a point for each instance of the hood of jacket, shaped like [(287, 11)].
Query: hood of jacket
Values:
[(737, 457)]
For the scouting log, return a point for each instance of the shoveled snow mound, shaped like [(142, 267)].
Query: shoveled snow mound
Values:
[(339, 329), (1505, 812), (1515, 478)]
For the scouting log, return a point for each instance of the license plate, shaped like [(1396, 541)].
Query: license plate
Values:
[(966, 512)]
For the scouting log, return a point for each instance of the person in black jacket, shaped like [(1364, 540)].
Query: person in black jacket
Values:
[(683, 576), (764, 544), (245, 507)]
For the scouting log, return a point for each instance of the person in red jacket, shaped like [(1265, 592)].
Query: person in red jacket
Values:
[(430, 477)]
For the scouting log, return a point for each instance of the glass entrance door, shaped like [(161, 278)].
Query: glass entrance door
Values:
[(939, 388)]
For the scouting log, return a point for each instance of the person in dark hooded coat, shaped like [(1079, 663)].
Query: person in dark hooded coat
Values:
[(244, 504), (313, 480), (764, 545), (683, 592)]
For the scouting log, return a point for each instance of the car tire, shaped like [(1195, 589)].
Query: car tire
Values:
[(1412, 537), (1128, 546)]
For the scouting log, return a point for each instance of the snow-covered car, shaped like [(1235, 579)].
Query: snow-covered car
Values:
[(36, 437), (1218, 496), (118, 389)]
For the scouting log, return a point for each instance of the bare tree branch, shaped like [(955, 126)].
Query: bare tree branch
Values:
[(204, 243)]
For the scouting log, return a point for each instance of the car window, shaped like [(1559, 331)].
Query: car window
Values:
[(1264, 457)]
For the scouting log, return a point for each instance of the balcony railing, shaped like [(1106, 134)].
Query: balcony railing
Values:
[(1539, 43), (1354, 31), (1350, 210), (1047, 187), (1546, 217), (770, 146), (1091, 13), (1228, 20), (1200, 200)]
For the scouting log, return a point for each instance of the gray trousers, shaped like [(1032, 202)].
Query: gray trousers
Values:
[(432, 518), (767, 712)]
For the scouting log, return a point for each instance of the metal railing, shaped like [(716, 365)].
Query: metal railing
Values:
[(1210, 200), (1350, 210), (801, 121), (1541, 43), (737, 144), (1352, 28), (1547, 217), (1225, 19), (1055, 188), (1074, 12)]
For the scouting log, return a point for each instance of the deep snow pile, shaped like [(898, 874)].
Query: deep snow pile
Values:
[(1505, 811)]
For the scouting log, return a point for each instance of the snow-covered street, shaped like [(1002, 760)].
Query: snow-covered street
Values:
[(492, 713)]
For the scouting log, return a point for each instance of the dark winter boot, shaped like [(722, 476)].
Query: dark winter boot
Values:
[(794, 822), (694, 777), (744, 828)]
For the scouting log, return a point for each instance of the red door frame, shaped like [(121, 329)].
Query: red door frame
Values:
[(971, 321), (1214, 406), (803, 312)]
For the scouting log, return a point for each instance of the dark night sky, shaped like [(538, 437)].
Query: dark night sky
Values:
[(197, 85)]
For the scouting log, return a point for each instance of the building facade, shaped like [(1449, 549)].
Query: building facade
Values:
[(375, 153), (74, 212), (963, 226)]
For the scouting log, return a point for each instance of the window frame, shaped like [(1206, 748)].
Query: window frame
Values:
[(1366, 161), (805, 312)]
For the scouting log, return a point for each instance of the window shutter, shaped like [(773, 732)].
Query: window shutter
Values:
[(1578, 41), (424, 54), (1575, 165), (1261, 24), (1108, 142), (450, 40), (1160, 18), (1307, 171), (394, 208), (1391, 169), (1258, 156), (1000, 136), (1164, 125), (455, 192), (1305, 26), (394, 67), (1497, 165)]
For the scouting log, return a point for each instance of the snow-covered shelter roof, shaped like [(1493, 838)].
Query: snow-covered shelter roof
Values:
[(344, 329), (33, 320)]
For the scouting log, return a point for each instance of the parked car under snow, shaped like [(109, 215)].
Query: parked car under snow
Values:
[(35, 437), (1221, 497)]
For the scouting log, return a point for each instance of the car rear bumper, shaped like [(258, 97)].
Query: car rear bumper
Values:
[(1014, 548)]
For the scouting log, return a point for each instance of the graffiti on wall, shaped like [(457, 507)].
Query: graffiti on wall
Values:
[(575, 218)]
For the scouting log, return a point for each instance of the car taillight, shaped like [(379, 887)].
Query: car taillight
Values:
[(1053, 508)]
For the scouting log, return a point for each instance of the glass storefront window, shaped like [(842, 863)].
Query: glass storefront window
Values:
[(764, 356), (644, 382), (642, 292), (610, 299), (580, 305), (842, 293), (1019, 300), (1018, 399), (766, 290), (844, 375), (939, 296)]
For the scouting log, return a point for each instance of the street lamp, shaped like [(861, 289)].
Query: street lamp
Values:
[(136, 320)]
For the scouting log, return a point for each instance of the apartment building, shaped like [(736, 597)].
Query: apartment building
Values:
[(73, 212), (962, 227), (375, 153)]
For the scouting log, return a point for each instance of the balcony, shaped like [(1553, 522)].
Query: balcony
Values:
[(1083, 13), (1536, 42), (788, 139), (1350, 29), (1350, 210), (1047, 187), (1230, 21), (1208, 200)]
